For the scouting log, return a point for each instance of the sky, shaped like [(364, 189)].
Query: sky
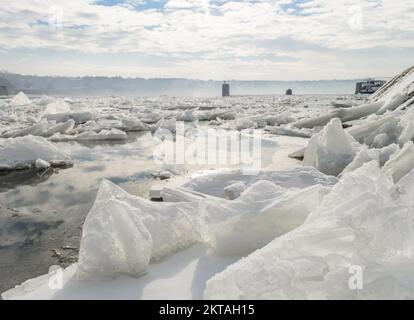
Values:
[(208, 39)]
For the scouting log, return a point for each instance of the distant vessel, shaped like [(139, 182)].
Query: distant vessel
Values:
[(6, 88), (369, 86), (225, 90), (289, 92)]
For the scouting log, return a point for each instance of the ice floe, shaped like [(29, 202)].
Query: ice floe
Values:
[(331, 150), (20, 100), (133, 230), (29, 151), (103, 135)]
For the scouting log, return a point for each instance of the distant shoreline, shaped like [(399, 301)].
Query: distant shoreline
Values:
[(117, 86)]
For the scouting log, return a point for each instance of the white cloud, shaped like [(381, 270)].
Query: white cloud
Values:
[(216, 34)]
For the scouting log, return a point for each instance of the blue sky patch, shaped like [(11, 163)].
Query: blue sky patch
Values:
[(138, 5), (295, 8)]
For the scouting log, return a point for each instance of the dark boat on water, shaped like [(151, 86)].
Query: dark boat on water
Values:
[(369, 86)]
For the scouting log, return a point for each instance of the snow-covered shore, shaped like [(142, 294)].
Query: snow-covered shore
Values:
[(294, 234)]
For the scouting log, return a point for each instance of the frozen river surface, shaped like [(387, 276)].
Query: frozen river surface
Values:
[(42, 212)]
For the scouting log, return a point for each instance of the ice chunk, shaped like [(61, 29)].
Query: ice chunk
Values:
[(407, 133), (214, 183), (349, 114), (44, 100), (41, 164), (263, 212), (364, 229), (362, 131), (393, 102), (388, 133), (156, 230), (401, 163), (165, 174), (257, 121), (187, 115), (362, 157), (179, 194), (360, 111), (401, 83), (166, 124), (341, 104), (331, 150), (63, 127), (271, 119), (103, 135), (56, 107), (289, 131), (112, 134), (114, 241), (77, 116), (406, 188), (37, 129), (234, 190), (264, 190), (239, 124), (283, 118), (23, 152), (386, 152), (90, 125), (151, 117), (121, 122), (20, 99), (407, 103), (222, 114), (381, 140)]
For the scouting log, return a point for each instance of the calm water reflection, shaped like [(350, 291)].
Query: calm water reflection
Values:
[(43, 211)]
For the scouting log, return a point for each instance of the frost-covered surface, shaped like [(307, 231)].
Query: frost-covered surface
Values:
[(271, 234)]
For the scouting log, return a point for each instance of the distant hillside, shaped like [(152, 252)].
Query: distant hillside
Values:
[(175, 87)]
